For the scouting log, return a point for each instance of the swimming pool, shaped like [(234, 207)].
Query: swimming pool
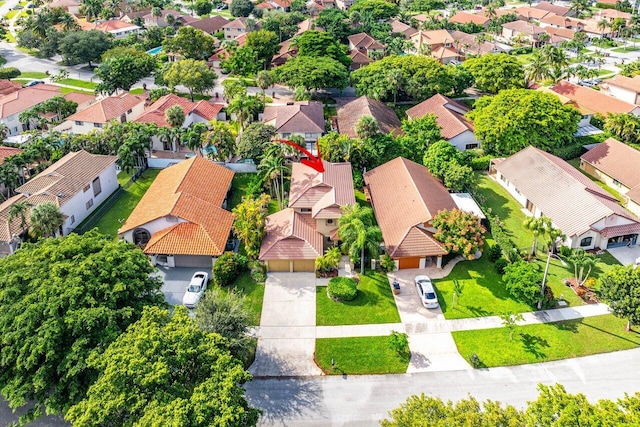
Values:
[(155, 50)]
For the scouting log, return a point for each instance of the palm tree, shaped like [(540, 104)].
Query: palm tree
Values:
[(264, 79), (537, 226), (4, 131), (395, 79), (537, 69), (91, 9), (221, 136), (46, 220), (358, 233), (623, 125), (244, 107), (583, 263), (543, 38), (174, 116), (19, 210), (366, 127), (273, 169), (68, 23), (602, 25)]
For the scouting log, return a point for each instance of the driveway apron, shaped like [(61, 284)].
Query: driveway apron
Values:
[(286, 340)]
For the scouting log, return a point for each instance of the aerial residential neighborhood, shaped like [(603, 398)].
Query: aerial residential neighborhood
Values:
[(323, 212)]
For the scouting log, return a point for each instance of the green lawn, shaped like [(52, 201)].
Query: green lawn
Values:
[(137, 91), (525, 58), (32, 75), (11, 14), (483, 294), (110, 221), (552, 341), (66, 90), (78, 83), (626, 49), (509, 211), (374, 304), (359, 356), (238, 187), (254, 293)]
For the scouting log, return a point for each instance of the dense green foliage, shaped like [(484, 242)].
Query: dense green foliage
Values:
[(523, 281), (228, 267), (8, 73), (249, 222), (342, 289), (62, 302), (310, 72), (620, 288), (377, 9), (164, 370), (190, 43), (460, 232), (78, 47), (516, 118), (495, 72), (121, 68)]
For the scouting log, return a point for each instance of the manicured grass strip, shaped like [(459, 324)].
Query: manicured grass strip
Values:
[(483, 294), (359, 356), (32, 75), (509, 211), (110, 221), (78, 83), (137, 91), (374, 304), (11, 14), (66, 90), (238, 187), (254, 293), (551, 341), (626, 49)]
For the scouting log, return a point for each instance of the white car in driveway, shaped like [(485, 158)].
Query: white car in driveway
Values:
[(427, 294), (196, 288)]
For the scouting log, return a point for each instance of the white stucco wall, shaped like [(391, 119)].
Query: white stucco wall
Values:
[(622, 94), (461, 141), (153, 227)]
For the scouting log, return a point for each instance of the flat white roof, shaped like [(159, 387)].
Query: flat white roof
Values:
[(465, 203)]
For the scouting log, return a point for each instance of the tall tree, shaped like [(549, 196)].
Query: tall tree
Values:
[(244, 107), (265, 44), (318, 44), (273, 168), (196, 76), (46, 220), (122, 68), (191, 43), (438, 157), (459, 231), (62, 302), (312, 73), (20, 210), (583, 262), (164, 370), (254, 141), (78, 47), (222, 136), (495, 72), (249, 222), (366, 127), (358, 233), (619, 288), (537, 226), (241, 8)]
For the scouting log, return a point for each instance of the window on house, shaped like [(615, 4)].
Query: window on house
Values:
[(129, 111), (286, 135), (97, 125), (97, 188), (502, 178), (470, 146), (329, 221), (79, 123), (72, 219), (162, 259), (586, 242), (305, 210), (616, 183), (89, 204), (309, 135)]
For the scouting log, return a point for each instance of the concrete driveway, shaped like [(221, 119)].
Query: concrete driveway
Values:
[(287, 337), (175, 281), (626, 255)]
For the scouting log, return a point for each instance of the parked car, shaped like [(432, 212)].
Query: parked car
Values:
[(196, 288), (33, 83), (427, 294), (222, 7)]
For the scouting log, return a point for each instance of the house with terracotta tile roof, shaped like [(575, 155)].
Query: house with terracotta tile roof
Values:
[(616, 164), (314, 7), (238, 27), (546, 185), (467, 44), (161, 21), (7, 87), (397, 26), (358, 60), (470, 18), (351, 112), (71, 6), (624, 88), (364, 43), (523, 30), (287, 51), (77, 183), (210, 25), (15, 103), (117, 28), (558, 21), (454, 127), (438, 44), (554, 8), (181, 221), (590, 101), (299, 234), (121, 108), (405, 198), (530, 13), (304, 118)]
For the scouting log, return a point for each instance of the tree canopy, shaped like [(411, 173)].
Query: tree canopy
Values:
[(62, 302), (459, 231), (78, 47), (264, 43), (319, 44), (122, 68), (516, 118), (417, 77), (191, 43), (377, 9), (620, 288), (164, 370), (249, 222), (196, 76), (312, 73), (495, 72)]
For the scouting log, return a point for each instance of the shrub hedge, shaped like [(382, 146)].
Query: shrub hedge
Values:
[(342, 289), (228, 267)]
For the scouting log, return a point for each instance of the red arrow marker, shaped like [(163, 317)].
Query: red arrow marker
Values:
[(313, 162)]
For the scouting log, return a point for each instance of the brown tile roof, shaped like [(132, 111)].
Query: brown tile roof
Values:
[(530, 12), (237, 23), (306, 25), (460, 39), (193, 191), (561, 21), (322, 191), (592, 99), (7, 87), (210, 25), (634, 194), (432, 37), (79, 98), (466, 17), (611, 14), (282, 3), (306, 116), (68, 176), (358, 57), (523, 27), (398, 26), (449, 114), (8, 151), (365, 41), (619, 161), (25, 98), (553, 8), (349, 114), (565, 33), (156, 111), (289, 236), (572, 201), (264, 5), (107, 109), (405, 196), (630, 83), (620, 230), (113, 25), (10, 229)]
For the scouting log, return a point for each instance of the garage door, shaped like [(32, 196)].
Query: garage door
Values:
[(304, 265), (193, 261), (278, 265), (413, 262)]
